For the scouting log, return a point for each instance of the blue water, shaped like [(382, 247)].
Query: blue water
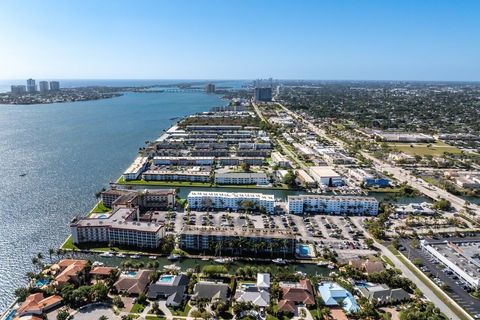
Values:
[(69, 151), (131, 273), (165, 279), (41, 282), (303, 250)]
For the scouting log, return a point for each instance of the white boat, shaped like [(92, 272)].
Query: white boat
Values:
[(152, 257), (205, 259), (97, 264), (121, 255), (173, 257), (106, 255), (279, 261), (171, 267), (223, 260), (331, 266), (322, 264), (135, 256)]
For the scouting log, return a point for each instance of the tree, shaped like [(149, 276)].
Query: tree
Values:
[(63, 315), (289, 178), (117, 302), (442, 204), (104, 317), (369, 242), (21, 294), (245, 167)]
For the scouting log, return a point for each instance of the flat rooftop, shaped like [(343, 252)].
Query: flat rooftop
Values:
[(238, 232), (462, 254)]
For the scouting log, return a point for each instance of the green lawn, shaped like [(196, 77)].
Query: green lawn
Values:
[(181, 312), (137, 308), (100, 247), (438, 292), (422, 149), (149, 317), (100, 208), (121, 180)]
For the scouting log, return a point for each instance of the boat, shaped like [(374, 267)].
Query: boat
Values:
[(22, 174), (223, 260), (322, 264), (205, 259), (152, 257), (97, 264), (106, 254), (279, 261), (171, 267), (173, 257), (121, 255), (331, 266), (135, 256)]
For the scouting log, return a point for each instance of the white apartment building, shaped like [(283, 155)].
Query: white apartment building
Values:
[(183, 161), (259, 178), (229, 200), (172, 175), (122, 227), (332, 204), (280, 160), (136, 168)]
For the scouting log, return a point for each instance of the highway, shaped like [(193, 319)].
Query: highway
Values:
[(399, 173)]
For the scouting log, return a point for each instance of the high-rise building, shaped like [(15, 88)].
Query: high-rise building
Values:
[(20, 89), (54, 85), (31, 86), (210, 88), (263, 94), (43, 86)]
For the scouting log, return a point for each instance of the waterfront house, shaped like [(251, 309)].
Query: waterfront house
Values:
[(296, 294), (37, 304), (133, 282), (333, 295), (170, 288), (70, 271), (212, 291)]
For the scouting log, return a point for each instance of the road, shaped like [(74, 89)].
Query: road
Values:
[(400, 174), (419, 184), (439, 303)]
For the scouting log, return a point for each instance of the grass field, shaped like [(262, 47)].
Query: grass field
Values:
[(423, 149)]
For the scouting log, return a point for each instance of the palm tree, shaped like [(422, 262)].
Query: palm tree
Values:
[(50, 253)]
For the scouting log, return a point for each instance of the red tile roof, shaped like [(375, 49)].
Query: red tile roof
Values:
[(70, 268)]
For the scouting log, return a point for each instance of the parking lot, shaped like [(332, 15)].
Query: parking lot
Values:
[(456, 289), (335, 233)]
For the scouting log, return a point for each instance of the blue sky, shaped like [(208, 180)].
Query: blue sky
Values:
[(240, 39)]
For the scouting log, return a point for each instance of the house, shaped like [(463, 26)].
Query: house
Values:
[(102, 272), (133, 283), (210, 290), (334, 295), (36, 305), (381, 294), (257, 294), (368, 266), (296, 293), (71, 270), (171, 288)]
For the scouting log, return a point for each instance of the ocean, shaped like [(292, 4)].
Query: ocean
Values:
[(68, 152)]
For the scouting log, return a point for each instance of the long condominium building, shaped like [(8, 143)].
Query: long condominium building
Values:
[(136, 168), (232, 241), (241, 178), (231, 201), (173, 175), (122, 227), (332, 204), (184, 161)]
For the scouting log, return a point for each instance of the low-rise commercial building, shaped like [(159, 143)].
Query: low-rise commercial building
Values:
[(231, 201), (332, 204), (326, 176), (459, 257), (303, 178)]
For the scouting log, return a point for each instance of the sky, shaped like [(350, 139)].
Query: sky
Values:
[(240, 39)]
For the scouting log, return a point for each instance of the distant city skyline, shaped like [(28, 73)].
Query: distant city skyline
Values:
[(209, 40)]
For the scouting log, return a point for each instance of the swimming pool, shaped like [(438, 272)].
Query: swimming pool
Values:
[(166, 279), (41, 282), (304, 250), (130, 273)]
